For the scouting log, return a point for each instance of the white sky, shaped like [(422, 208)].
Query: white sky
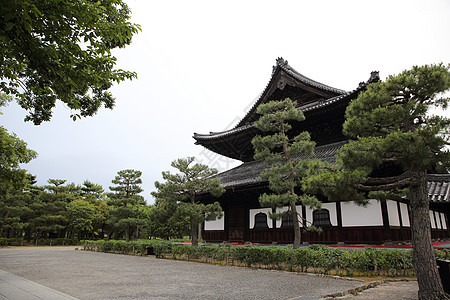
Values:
[(200, 65)]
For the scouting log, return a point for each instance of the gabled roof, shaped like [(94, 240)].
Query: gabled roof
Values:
[(302, 80), (314, 98)]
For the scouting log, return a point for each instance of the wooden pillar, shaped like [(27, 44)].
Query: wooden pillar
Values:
[(399, 214), (275, 237), (303, 218), (339, 222), (402, 235), (387, 234)]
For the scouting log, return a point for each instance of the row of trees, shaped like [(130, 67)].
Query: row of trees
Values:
[(86, 211), (60, 210)]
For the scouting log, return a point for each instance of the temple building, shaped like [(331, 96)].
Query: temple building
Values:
[(341, 221)]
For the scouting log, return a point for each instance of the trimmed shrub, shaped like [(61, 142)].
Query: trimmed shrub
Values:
[(318, 259)]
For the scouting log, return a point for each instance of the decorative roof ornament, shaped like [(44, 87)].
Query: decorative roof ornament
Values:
[(282, 62), (374, 76)]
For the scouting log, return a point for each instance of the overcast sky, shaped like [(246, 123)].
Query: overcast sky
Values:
[(201, 64)]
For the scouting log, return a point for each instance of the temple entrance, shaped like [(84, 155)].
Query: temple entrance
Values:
[(235, 224)]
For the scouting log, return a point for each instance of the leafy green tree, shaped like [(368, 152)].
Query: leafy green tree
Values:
[(61, 50), (278, 150), (94, 194), (48, 218), (13, 208), (125, 205), (184, 187), (397, 141), (167, 220), (13, 152), (81, 217)]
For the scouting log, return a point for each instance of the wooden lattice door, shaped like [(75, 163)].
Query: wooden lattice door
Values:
[(235, 220)]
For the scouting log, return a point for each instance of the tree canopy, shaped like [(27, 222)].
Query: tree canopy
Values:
[(56, 210), (13, 152), (61, 50), (126, 207), (184, 188)]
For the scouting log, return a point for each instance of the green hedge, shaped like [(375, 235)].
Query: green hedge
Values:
[(139, 247), (317, 259)]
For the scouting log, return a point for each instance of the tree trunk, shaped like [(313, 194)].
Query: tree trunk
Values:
[(127, 233), (38, 236), (194, 231), (430, 286), (200, 231), (297, 230)]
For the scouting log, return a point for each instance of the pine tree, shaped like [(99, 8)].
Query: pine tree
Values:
[(278, 150), (397, 141), (184, 187), (125, 204)]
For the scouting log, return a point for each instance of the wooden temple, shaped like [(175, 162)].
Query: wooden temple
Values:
[(341, 221)]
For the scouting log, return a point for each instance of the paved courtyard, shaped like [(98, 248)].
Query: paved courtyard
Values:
[(92, 275)]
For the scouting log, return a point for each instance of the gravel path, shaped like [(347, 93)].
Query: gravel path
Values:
[(92, 275)]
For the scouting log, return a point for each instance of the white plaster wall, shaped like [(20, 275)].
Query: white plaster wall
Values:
[(438, 220), (392, 213), (309, 216), (433, 223), (253, 212), (444, 223), (405, 215), (217, 224), (354, 215), (283, 209)]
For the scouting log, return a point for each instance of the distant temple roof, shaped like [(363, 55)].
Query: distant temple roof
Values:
[(313, 98)]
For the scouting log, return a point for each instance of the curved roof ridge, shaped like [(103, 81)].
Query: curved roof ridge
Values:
[(223, 133), (439, 176), (240, 126), (282, 63)]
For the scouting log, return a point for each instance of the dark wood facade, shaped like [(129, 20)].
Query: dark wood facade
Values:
[(237, 204)]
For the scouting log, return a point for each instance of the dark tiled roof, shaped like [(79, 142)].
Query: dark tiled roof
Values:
[(283, 65), (248, 173), (303, 108), (439, 188), (215, 135)]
